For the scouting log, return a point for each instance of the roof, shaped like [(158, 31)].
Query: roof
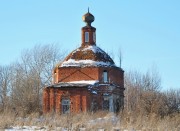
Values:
[(92, 85), (82, 83), (90, 55)]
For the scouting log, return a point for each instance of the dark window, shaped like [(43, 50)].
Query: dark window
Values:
[(105, 76), (105, 103), (65, 106)]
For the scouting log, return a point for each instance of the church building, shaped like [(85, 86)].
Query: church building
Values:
[(86, 80)]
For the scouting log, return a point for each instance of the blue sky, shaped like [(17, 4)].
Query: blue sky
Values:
[(147, 31)]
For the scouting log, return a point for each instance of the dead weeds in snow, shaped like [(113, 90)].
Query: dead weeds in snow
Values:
[(91, 121)]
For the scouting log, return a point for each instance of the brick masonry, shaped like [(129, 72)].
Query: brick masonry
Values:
[(80, 97)]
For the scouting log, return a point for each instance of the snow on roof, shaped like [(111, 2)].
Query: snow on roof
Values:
[(90, 55), (81, 83), (91, 82), (83, 63), (93, 48)]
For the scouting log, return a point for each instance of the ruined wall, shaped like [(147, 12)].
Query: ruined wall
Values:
[(79, 97), (46, 102)]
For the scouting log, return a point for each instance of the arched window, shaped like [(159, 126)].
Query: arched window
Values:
[(105, 76), (65, 105), (86, 36)]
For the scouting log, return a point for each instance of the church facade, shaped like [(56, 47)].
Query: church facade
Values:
[(86, 80)]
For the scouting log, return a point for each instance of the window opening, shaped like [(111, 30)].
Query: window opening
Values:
[(65, 106), (106, 103), (86, 36), (105, 76)]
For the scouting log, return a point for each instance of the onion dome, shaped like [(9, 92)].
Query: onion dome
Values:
[(88, 18)]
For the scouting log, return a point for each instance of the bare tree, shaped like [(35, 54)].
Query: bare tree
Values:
[(152, 80), (172, 100), (142, 91), (32, 73), (5, 73)]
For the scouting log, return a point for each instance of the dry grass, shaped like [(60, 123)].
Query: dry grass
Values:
[(6, 120), (92, 121), (153, 122)]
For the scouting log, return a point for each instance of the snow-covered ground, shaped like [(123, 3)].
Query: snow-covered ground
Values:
[(112, 119), (26, 128)]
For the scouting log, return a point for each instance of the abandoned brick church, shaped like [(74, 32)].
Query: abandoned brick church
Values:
[(86, 80)]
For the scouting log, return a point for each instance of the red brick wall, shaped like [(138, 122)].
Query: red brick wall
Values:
[(76, 74), (45, 100), (115, 75), (90, 30), (66, 74), (58, 100), (79, 97), (52, 99)]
